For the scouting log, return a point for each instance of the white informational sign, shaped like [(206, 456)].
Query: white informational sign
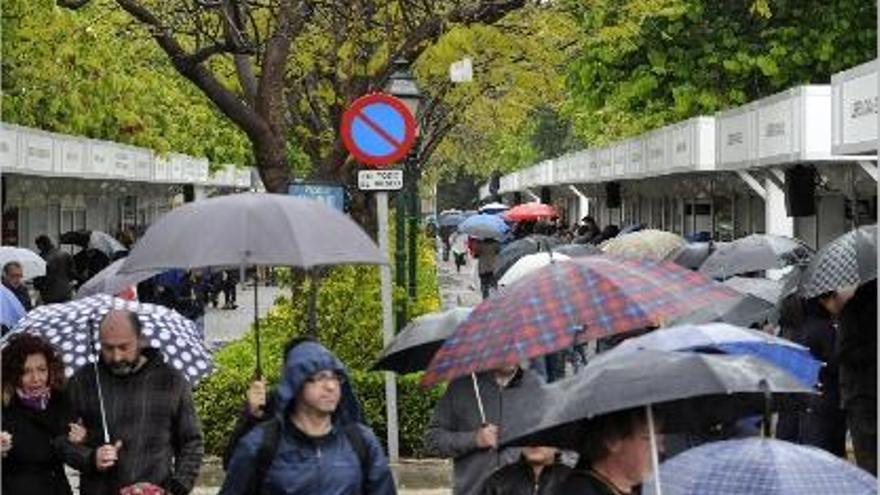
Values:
[(380, 180), (461, 71)]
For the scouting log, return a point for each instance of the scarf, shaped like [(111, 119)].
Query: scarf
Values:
[(37, 400)]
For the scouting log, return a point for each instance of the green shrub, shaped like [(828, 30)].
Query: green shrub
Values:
[(349, 322)]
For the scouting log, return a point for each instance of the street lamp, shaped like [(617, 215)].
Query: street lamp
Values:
[(402, 85)]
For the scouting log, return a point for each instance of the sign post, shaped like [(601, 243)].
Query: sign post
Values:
[(379, 130)]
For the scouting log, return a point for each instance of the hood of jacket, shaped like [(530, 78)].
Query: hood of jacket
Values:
[(305, 360)]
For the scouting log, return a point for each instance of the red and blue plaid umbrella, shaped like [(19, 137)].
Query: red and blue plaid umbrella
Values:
[(570, 303)]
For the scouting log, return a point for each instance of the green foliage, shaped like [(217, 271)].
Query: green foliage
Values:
[(91, 73), (349, 323), (646, 63)]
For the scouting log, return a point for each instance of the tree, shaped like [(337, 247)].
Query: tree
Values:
[(283, 71), (646, 63)]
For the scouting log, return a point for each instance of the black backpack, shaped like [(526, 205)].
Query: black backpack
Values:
[(269, 447)]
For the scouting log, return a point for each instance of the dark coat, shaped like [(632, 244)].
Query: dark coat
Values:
[(55, 286), (519, 479), (327, 465), (857, 346), (21, 293), (151, 411), (584, 482), (34, 465)]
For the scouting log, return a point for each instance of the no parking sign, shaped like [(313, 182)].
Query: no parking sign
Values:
[(378, 129)]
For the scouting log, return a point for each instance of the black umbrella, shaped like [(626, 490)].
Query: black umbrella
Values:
[(412, 349), (686, 390), (515, 250)]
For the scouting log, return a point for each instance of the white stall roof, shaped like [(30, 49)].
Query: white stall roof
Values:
[(690, 145), (854, 107), (635, 159)]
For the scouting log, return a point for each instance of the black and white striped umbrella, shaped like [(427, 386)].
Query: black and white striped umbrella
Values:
[(847, 261), (72, 327)]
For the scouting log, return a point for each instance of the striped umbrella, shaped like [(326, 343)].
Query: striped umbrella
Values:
[(567, 303)]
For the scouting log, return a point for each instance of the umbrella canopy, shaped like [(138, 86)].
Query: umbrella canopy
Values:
[(31, 263), (686, 390), (515, 250), (761, 466), (11, 310), (656, 244), (529, 263), (729, 339), (753, 253), (72, 328), (763, 288), (493, 208), (849, 260), (577, 250), (530, 211), (252, 229), (484, 226), (76, 237), (567, 303), (110, 281), (744, 310), (105, 243), (412, 349), (693, 254), (450, 219)]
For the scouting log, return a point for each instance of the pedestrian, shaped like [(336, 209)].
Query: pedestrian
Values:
[(54, 287), (312, 440), (458, 431), (615, 457), (155, 438), (587, 230), (13, 279), (229, 281), (791, 318), (823, 422), (36, 416), (486, 253), (857, 358), (459, 250), (538, 472)]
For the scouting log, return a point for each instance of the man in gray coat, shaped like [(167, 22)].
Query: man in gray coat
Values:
[(458, 431)]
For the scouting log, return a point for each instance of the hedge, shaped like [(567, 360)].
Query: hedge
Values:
[(349, 323)]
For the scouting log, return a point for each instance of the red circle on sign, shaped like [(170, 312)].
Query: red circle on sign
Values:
[(400, 149)]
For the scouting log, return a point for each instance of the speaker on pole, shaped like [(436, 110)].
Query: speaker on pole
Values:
[(800, 191), (546, 196), (612, 194), (189, 193), (517, 198)]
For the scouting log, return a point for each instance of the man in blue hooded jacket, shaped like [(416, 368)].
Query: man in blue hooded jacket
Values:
[(316, 411)]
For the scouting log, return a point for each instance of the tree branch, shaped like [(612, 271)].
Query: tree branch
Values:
[(73, 4)]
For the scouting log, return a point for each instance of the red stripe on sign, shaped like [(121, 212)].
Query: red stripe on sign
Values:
[(378, 130)]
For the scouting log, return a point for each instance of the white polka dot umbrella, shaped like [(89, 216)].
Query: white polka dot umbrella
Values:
[(68, 326)]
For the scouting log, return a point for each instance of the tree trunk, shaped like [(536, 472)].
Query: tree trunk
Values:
[(271, 157)]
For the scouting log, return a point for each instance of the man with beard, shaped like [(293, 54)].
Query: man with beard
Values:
[(155, 436)]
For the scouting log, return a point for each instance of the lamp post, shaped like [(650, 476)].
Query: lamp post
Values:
[(402, 85)]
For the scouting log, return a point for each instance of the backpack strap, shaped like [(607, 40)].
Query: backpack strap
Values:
[(266, 452), (362, 450)]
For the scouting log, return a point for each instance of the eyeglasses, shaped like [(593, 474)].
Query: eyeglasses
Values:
[(324, 377)]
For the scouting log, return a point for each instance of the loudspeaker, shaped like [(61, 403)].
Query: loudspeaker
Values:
[(494, 183), (612, 194), (517, 198), (189, 193), (546, 195), (800, 191)]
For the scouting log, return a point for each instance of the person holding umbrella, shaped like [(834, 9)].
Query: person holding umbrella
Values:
[(54, 287), (13, 279), (36, 416), (615, 457), (139, 414), (467, 422), (538, 472)]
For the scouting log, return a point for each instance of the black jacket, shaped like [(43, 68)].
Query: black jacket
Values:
[(584, 482), (55, 287), (21, 293), (818, 332), (34, 464), (857, 345), (519, 479)]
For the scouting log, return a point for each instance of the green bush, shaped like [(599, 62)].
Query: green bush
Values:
[(349, 322)]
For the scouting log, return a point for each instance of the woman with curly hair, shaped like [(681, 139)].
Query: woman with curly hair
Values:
[(36, 417)]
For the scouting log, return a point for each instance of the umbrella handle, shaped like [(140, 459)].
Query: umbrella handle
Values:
[(479, 399), (101, 404), (765, 426), (655, 459)]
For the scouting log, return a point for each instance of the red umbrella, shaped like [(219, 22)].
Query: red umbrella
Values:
[(570, 303), (530, 211)]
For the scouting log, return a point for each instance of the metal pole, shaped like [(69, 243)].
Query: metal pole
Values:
[(387, 327), (400, 254), (414, 217)]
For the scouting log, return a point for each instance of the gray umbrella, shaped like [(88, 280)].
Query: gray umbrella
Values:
[(412, 349), (744, 311), (451, 219), (849, 260), (756, 252), (110, 281), (252, 229), (693, 254), (577, 250), (685, 389), (515, 250), (763, 288)]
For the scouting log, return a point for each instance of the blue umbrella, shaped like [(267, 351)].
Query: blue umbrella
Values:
[(761, 466), (451, 219), (484, 226), (11, 309), (729, 339)]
